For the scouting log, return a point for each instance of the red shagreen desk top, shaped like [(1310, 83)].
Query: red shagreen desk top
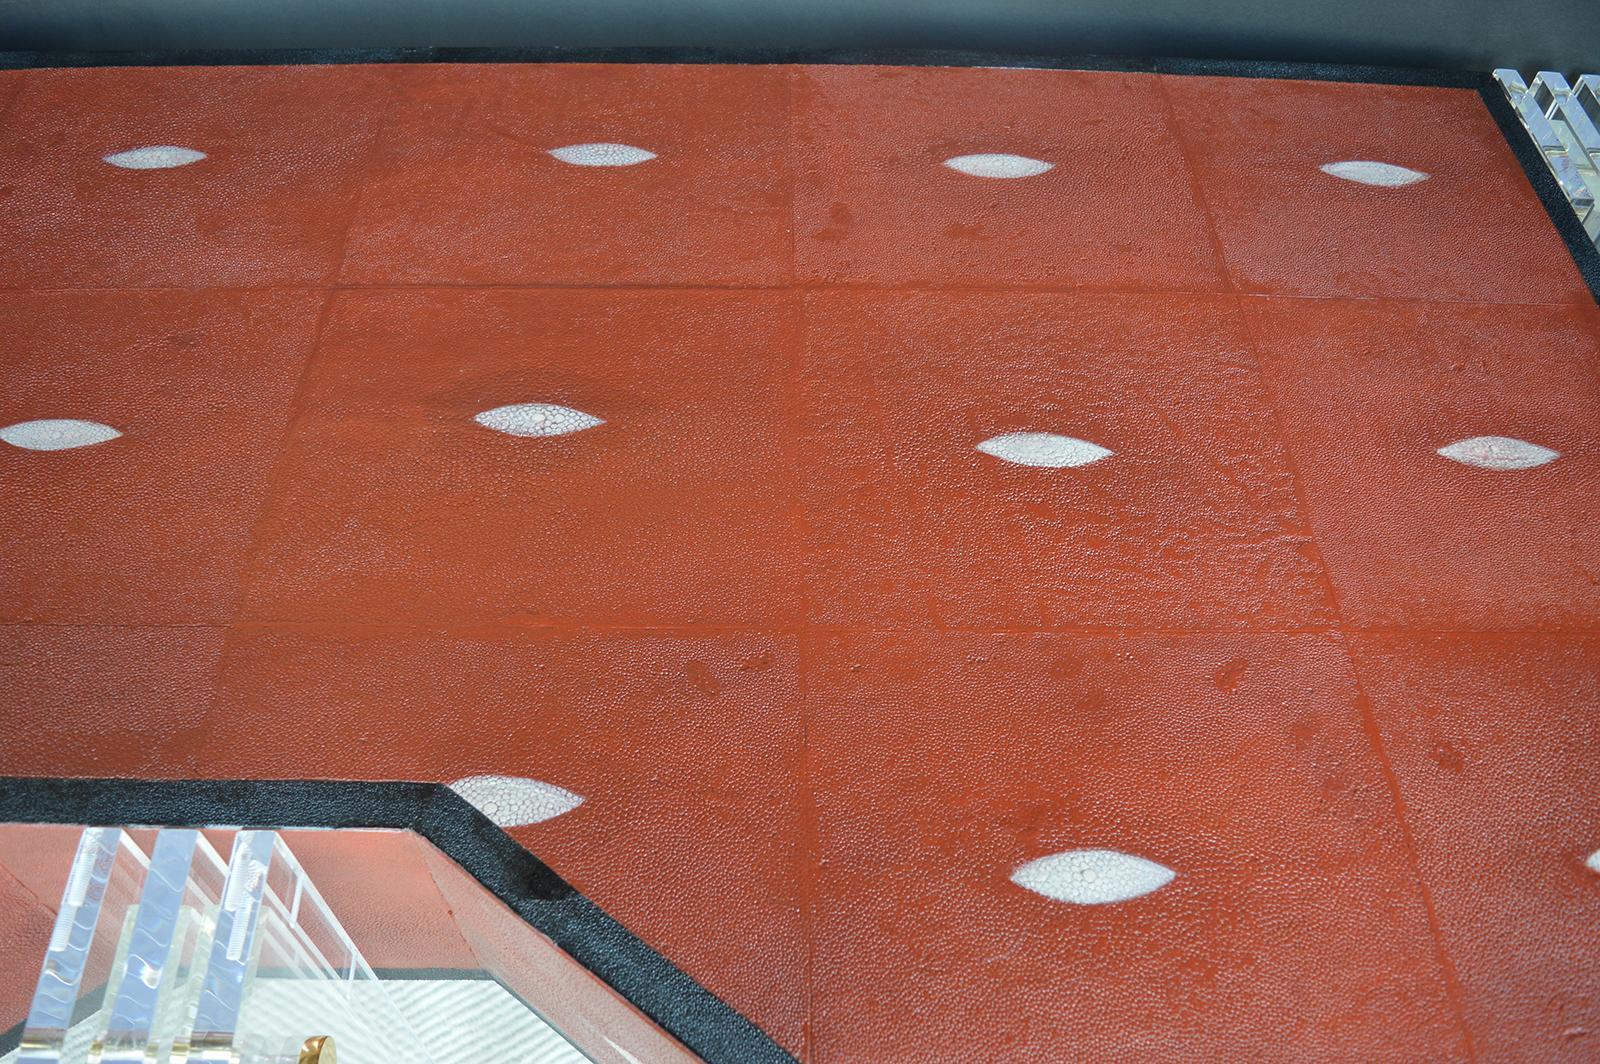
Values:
[(826, 675)]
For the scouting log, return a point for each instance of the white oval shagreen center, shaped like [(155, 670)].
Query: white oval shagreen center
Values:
[(513, 801), (1379, 175), (1092, 877), (1498, 452), (1007, 167), (57, 434), (536, 419), (154, 157), (1044, 449), (602, 155)]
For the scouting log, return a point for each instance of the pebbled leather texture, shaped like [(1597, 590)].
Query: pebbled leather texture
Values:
[(812, 674)]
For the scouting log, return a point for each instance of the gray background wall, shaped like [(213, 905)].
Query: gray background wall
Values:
[(1557, 34)]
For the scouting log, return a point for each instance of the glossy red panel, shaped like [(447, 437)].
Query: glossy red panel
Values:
[(1495, 742), (875, 202), (152, 526), (1369, 394), (105, 701), (269, 203), (943, 762), (465, 189), (1191, 522), (394, 503), (684, 750), (1472, 230)]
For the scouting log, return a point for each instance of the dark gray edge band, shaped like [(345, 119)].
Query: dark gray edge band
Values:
[(688, 1011), (829, 56)]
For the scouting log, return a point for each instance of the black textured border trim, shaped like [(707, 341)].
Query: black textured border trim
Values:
[(685, 1009), (1583, 250), (1241, 68)]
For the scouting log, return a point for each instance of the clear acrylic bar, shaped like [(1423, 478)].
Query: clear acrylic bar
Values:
[(186, 957), (1564, 121), (87, 943), (283, 970), (152, 1014), (1565, 104)]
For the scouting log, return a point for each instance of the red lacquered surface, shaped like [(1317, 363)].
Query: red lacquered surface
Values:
[(1191, 523), (943, 762), (463, 188), (1369, 392), (875, 203), (1469, 231), (1494, 741), (151, 527), (823, 674), (395, 504), (270, 203)]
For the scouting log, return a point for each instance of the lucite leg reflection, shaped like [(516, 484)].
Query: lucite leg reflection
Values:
[(86, 945), (151, 1015), (228, 944), (283, 970), (162, 953)]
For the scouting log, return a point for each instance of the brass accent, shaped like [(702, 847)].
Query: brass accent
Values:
[(319, 1049)]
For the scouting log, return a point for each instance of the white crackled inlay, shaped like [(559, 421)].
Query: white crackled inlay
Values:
[(536, 419), (602, 155), (512, 801), (155, 157), (999, 165), (1367, 172), (1594, 862), (1044, 449), (1092, 877), (57, 434), (1498, 452)]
